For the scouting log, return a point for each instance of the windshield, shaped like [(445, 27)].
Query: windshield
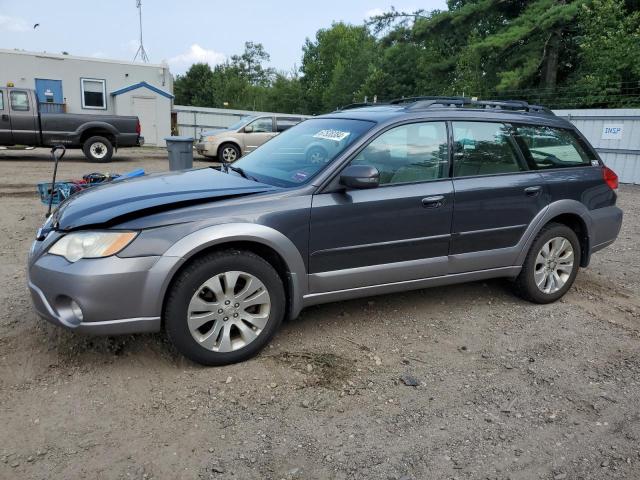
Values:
[(297, 155), (240, 122)]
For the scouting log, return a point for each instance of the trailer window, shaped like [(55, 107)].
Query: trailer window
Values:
[(19, 101), (94, 93)]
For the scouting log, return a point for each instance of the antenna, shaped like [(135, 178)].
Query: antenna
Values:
[(141, 51)]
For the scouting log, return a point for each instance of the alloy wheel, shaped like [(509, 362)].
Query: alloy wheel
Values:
[(554, 265), (229, 154), (228, 311)]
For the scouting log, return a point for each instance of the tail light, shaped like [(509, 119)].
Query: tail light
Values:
[(610, 178), (139, 129)]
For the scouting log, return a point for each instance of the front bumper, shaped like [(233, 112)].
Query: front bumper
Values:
[(206, 149), (116, 295)]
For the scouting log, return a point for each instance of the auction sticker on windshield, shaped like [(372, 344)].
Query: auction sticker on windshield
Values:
[(330, 134)]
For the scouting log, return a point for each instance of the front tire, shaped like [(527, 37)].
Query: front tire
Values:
[(551, 266), (228, 153), (224, 307), (98, 149)]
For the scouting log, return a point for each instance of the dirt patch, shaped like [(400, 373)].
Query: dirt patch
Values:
[(464, 382)]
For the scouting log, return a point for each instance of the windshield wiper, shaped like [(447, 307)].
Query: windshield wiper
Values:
[(238, 170)]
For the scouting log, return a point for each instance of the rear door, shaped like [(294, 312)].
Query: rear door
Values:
[(496, 195), (262, 130), (5, 123), (23, 115)]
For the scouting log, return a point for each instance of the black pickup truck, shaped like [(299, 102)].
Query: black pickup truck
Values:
[(22, 123)]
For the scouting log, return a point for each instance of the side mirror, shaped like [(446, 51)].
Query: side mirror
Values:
[(360, 176), (248, 129)]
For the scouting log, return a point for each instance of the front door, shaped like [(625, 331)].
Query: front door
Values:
[(261, 131), (496, 197), (145, 109), (24, 124), (5, 123), (398, 231)]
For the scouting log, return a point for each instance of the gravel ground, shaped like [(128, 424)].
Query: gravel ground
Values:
[(464, 382)]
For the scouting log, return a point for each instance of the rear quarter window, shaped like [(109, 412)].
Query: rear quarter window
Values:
[(548, 147)]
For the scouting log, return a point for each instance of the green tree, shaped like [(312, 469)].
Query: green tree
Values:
[(195, 87), (335, 65)]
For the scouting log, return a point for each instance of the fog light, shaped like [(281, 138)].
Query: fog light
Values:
[(76, 310)]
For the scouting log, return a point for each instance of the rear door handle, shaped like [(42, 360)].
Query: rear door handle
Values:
[(5, 116), (435, 201), (533, 191)]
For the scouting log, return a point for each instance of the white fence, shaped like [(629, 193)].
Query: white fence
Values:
[(191, 121), (615, 134)]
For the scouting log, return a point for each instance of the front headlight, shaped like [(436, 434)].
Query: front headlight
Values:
[(210, 138), (75, 246)]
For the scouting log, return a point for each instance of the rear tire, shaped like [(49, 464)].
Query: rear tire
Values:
[(551, 266), (224, 307), (98, 149), (228, 153)]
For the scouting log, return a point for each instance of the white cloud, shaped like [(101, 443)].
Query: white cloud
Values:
[(374, 12), (195, 54), (14, 24)]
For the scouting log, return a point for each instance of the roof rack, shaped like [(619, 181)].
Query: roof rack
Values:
[(419, 103), (358, 105), (399, 101)]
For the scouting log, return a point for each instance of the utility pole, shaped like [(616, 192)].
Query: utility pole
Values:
[(141, 51)]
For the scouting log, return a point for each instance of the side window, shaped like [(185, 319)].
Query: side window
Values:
[(94, 93), (285, 123), (416, 152), (262, 125), (19, 101), (1, 100), (547, 147), (481, 148)]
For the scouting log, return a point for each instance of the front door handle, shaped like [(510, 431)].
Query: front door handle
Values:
[(435, 201), (5, 116), (533, 191)]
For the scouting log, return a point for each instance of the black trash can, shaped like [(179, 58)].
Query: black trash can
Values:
[(180, 152)]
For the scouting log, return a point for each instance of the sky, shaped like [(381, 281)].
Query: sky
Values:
[(181, 32)]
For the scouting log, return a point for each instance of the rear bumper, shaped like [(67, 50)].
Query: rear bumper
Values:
[(140, 141), (605, 227)]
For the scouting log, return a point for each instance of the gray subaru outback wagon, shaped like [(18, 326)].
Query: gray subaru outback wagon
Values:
[(412, 194)]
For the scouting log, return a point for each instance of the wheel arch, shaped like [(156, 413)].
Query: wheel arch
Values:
[(571, 213), (227, 141), (264, 241)]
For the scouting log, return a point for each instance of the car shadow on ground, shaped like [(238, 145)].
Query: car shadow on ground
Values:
[(71, 347)]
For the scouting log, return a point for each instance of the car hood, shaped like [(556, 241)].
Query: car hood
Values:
[(215, 132), (113, 203)]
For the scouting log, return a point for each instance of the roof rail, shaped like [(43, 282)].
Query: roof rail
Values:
[(419, 103), (357, 105), (398, 101)]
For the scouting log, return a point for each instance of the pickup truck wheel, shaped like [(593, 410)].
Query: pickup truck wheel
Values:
[(224, 307), (98, 149)]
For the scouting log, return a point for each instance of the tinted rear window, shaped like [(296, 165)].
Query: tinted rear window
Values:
[(548, 147)]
